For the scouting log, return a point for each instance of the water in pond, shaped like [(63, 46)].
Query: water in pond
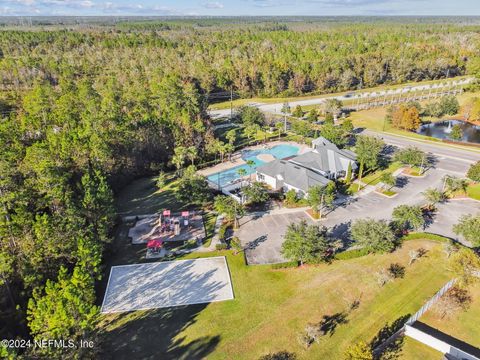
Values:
[(443, 129)]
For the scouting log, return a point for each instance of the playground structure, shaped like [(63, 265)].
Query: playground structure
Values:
[(167, 227)]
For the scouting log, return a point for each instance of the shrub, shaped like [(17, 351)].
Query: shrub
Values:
[(291, 197), (281, 355), (396, 270), (161, 180), (222, 231), (351, 254), (235, 243), (474, 172), (383, 276), (221, 246), (427, 236)]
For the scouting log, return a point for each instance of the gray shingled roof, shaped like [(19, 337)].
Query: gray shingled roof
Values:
[(293, 175), (324, 159), (322, 143)]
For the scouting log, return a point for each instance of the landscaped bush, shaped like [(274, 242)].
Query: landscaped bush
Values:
[(281, 355), (222, 231), (474, 172), (291, 198), (396, 270), (285, 265), (427, 236), (221, 246), (235, 243), (351, 254)]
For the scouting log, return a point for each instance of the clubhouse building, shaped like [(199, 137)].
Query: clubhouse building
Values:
[(324, 163)]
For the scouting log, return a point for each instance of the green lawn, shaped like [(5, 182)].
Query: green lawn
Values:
[(387, 192), (473, 191), (143, 197), (375, 177), (272, 307), (414, 350), (463, 325)]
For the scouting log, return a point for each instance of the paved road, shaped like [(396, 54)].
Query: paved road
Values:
[(442, 151), (276, 107)]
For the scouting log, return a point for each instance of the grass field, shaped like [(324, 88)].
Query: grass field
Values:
[(272, 307), (473, 191), (413, 349), (375, 177), (143, 197), (463, 325)]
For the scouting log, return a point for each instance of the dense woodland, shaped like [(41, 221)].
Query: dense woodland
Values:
[(86, 109)]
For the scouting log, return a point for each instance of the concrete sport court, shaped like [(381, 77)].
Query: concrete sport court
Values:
[(166, 284)]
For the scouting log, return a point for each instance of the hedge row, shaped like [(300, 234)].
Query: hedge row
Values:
[(285, 265), (427, 236), (351, 254)]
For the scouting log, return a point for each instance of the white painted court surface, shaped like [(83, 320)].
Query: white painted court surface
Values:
[(166, 284)]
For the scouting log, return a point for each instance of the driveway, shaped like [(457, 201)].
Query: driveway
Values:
[(450, 213)]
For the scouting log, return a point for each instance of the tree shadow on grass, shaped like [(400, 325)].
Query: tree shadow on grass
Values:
[(329, 323), (154, 334), (391, 350)]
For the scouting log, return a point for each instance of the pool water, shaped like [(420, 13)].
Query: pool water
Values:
[(222, 178)]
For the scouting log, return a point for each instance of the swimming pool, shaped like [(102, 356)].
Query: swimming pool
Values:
[(283, 151)]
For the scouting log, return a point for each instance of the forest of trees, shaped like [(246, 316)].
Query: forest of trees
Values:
[(85, 111)]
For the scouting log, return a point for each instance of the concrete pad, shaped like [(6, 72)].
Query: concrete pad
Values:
[(266, 157), (167, 284), (143, 230)]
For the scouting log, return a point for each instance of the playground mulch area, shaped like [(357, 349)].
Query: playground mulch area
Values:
[(167, 284), (146, 229)]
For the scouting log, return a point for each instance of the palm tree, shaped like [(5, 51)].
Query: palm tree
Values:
[(388, 180), (192, 153), (279, 127), (222, 149), (242, 173), (251, 165), (433, 196), (229, 148), (178, 158), (454, 184)]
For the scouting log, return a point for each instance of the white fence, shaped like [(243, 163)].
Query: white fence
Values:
[(431, 302), (415, 317)]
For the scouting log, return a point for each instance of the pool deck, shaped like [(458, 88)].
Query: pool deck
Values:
[(237, 157)]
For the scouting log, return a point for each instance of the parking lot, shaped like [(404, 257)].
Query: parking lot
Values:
[(263, 233)]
